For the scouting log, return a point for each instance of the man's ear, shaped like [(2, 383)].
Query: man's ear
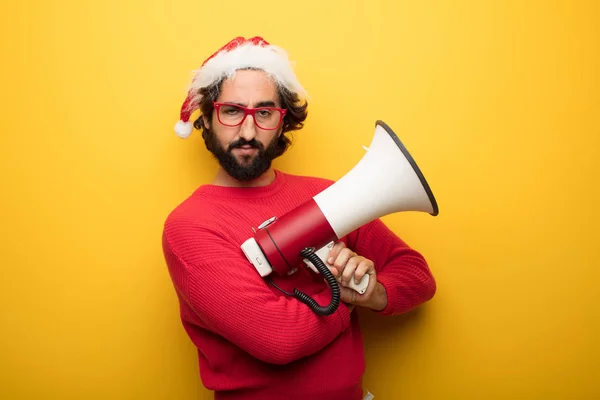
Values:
[(206, 121)]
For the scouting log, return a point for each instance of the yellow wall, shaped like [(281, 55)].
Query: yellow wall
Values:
[(497, 101)]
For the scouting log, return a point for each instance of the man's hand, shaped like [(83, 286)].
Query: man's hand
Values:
[(345, 265)]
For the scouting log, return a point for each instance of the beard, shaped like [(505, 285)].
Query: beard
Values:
[(249, 169)]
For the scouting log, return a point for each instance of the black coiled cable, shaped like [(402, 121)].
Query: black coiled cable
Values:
[(309, 254)]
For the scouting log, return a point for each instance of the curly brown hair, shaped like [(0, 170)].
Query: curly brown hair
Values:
[(293, 120)]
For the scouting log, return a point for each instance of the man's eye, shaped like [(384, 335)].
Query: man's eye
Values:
[(231, 110)]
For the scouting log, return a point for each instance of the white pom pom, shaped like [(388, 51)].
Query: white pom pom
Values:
[(183, 129)]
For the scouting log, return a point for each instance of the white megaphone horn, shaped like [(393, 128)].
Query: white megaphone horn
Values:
[(386, 180)]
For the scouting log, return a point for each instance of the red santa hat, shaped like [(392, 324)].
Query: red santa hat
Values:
[(239, 53)]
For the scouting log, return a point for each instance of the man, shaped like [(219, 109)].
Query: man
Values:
[(253, 340)]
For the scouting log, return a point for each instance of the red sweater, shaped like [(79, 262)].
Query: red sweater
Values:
[(253, 341)]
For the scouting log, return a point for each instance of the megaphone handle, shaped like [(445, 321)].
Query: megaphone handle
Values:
[(322, 253), (360, 287)]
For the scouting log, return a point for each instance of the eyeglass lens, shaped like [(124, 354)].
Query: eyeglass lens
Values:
[(264, 118)]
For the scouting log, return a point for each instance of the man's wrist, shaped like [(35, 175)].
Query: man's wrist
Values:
[(379, 298)]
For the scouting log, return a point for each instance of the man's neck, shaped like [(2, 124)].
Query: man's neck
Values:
[(224, 179)]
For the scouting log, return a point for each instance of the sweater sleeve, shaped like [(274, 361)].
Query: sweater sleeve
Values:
[(233, 301), (403, 272)]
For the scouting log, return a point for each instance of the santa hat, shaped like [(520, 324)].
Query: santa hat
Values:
[(239, 53)]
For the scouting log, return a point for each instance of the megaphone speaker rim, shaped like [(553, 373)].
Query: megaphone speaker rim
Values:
[(413, 164)]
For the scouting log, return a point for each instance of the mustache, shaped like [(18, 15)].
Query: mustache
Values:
[(243, 142)]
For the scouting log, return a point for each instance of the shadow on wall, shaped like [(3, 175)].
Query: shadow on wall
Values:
[(384, 330)]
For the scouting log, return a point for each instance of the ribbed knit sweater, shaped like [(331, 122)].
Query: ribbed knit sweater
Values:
[(253, 341)]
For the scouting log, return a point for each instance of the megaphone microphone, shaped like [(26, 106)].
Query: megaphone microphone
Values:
[(386, 180)]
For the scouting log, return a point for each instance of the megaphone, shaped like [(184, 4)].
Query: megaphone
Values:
[(388, 180)]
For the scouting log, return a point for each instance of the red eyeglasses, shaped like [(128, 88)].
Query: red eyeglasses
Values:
[(267, 118)]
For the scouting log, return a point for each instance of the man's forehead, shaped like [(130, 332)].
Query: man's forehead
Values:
[(250, 89)]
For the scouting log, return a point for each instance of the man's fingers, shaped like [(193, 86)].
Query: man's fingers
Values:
[(342, 258), (349, 269), (335, 251), (365, 267), (334, 271)]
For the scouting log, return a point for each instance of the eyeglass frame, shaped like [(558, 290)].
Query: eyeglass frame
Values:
[(249, 111)]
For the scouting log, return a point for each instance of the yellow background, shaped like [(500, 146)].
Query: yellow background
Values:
[(497, 101)]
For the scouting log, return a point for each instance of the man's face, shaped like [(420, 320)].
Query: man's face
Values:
[(245, 151)]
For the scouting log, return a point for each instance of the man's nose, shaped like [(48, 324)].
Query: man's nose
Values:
[(248, 128)]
